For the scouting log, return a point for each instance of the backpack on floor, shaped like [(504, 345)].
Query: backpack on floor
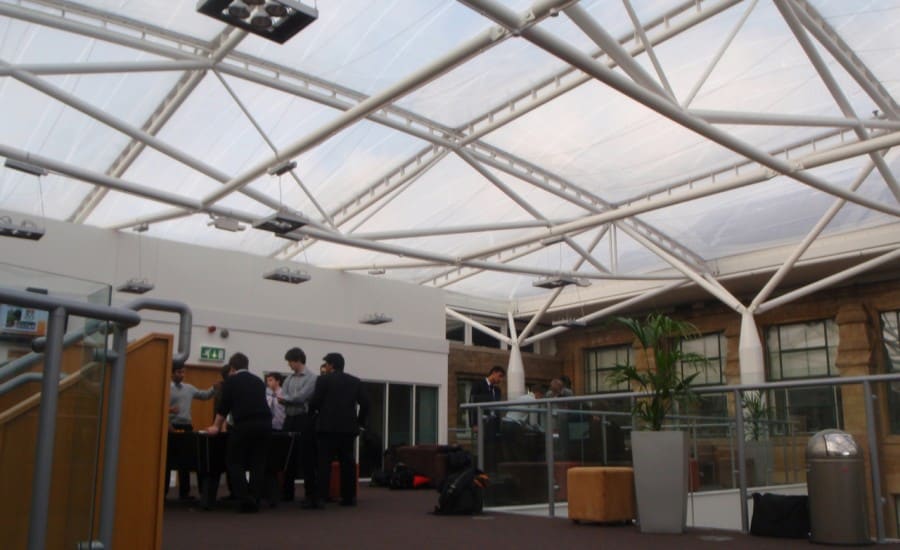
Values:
[(402, 477), (780, 516), (462, 493)]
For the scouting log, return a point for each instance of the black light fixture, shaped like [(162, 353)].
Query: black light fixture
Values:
[(287, 275), (136, 286), (27, 229), (26, 167), (559, 281), (276, 20), (281, 223), (282, 168), (375, 319), (569, 322)]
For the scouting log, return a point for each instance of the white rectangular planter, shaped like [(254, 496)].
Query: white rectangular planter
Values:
[(661, 480)]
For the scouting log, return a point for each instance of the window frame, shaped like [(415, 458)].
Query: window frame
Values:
[(592, 373)]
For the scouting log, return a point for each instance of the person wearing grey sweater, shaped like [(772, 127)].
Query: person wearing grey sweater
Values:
[(296, 391)]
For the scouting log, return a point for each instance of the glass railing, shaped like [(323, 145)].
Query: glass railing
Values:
[(527, 462), (71, 512)]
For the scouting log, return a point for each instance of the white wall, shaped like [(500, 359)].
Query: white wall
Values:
[(264, 318)]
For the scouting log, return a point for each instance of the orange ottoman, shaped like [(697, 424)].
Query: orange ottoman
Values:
[(601, 494)]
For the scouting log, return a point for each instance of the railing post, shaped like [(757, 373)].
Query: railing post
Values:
[(479, 437), (548, 445), (873, 460), (113, 433), (742, 472), (43, 459)]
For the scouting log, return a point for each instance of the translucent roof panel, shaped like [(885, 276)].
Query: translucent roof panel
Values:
[(437, 144)]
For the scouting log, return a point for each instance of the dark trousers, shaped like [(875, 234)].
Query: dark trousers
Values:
[(302, 457), (179, 454), (248, 444), (338, 445)]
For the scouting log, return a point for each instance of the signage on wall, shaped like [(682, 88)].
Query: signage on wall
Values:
[(209, 353)]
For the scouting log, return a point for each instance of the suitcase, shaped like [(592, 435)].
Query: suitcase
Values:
[(785, 516)]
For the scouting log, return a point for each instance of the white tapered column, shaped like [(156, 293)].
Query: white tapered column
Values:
[(750, 355), (515, 373)]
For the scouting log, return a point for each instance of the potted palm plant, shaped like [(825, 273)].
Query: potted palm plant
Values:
[(660, 458), (757, 446)]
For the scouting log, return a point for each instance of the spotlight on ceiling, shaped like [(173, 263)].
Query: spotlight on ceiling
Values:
[(287, 275), (376, 271), (558, 281), (27, 229), (225, 223), (26, 167), (281, 222), (278, 20), (375, 319), (136, 286), (282, 168), (571, 323)]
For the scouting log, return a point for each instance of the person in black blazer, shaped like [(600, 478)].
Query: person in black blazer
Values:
[(484, 391), (244, 397), (342, 408)]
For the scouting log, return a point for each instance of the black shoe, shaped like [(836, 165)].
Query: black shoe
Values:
[(312, 505), (248, 506)]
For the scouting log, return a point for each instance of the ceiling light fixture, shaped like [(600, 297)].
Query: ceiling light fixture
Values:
[(376, 271), (375, 319), (287, 275), (278, 20), (568, 322), (226, 224), (282, 168), (26, 167), (27, 229), (281, 223), (275, 9), (136, 286), (239, 9), (559, 281)]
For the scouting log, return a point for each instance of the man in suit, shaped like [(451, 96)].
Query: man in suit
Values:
[(342, 408), (244, 397), (484, 391)]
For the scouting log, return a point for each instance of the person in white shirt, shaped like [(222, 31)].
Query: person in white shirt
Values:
[(273, 398), (181, 395)]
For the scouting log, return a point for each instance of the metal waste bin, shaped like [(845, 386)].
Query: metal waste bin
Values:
[(835, 478)]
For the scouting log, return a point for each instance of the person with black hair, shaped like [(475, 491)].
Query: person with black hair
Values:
[(343, 408), (484, 391), (244, 397), (181, 396), (296, 390)]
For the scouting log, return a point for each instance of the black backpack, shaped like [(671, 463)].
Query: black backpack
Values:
[(462, 493), (402, 477)]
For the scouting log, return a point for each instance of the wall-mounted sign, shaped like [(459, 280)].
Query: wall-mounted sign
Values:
[(209, 353)]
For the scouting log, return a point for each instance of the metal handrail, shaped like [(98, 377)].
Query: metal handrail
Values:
[(59, 310)]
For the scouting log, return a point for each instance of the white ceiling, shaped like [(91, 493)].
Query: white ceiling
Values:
[(443, 141)]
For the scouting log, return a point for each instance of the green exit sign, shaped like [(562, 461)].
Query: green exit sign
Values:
[(209, 353)]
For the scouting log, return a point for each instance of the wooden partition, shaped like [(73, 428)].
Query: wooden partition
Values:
[(77, 457), (202, 377), (142, 451)]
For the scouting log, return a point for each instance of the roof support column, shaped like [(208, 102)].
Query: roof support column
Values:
[(750, 352)]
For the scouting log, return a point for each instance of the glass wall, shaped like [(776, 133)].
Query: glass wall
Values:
[(71, 510), (400, 414)]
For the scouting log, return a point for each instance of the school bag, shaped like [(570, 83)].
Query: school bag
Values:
[(462, 493)]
